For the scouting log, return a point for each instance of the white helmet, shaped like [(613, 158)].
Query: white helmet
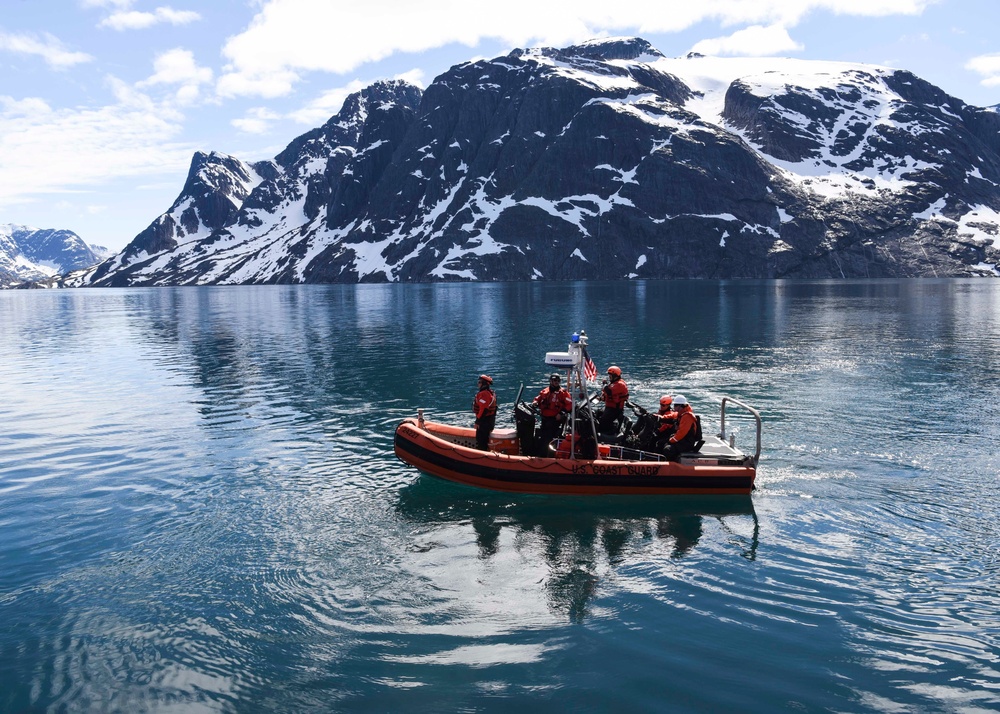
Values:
[(680, 400)]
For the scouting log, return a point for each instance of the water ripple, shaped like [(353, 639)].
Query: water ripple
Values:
[(201, 508)]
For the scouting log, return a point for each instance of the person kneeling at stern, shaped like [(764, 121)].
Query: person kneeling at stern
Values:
[(688, 433)]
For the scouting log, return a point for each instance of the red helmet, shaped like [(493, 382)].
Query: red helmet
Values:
[(486, 378), (666, 400), (617, 371)]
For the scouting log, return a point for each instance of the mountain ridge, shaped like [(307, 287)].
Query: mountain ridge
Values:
[(33, 255), (600, 160)]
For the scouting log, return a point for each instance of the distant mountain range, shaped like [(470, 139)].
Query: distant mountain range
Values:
[(605, 160), (31, 255)]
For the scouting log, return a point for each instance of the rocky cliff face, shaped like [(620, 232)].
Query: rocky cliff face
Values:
[(30, 255), (602, 160)]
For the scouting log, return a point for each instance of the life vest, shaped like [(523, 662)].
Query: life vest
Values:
[(668, 422), (614, 394), (582, 447), (485, 403), (552, 403), (688, 428)]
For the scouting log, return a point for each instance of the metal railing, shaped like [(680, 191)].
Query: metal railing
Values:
[(722, 423)]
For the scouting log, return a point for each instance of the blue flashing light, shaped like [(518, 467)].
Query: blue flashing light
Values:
[(575, 338)]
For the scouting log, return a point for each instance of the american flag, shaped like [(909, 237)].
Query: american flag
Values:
[(589, 368)]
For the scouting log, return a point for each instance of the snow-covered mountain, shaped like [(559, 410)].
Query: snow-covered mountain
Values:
[(32, 254), (601, 160)]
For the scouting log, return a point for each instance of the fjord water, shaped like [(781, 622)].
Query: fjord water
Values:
[(200, 509)]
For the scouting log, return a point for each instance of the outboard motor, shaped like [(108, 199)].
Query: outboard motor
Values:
[(524, 421), (645, 432), (586, 447), (620, 429)]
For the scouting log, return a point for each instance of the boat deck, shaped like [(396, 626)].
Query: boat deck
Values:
[(717, 448), (714, 450), (504, 441)]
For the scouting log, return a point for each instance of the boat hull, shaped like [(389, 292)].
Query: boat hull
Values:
[(417, 445)]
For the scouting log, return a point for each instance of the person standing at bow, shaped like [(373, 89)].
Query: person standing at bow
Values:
[(614, 395), (484, 406), (554, 403)]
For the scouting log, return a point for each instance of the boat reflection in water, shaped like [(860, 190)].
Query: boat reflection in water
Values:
[(580, 540)]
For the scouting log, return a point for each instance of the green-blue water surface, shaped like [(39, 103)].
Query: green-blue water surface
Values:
[(200, 510)]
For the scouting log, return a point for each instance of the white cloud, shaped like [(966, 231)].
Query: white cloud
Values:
[(257, 121), (754, 41), (48, 150), (31, 106), (988, 67), (135, 20), (45, 46), (121, 4), (178, 67), (290, 37), (276, 83)]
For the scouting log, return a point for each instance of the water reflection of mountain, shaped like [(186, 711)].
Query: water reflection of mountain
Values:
[(577, 536), (322, 352)]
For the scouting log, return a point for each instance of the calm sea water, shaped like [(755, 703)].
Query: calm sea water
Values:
[(200, 509)]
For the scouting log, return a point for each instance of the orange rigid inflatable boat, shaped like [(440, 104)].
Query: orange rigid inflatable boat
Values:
[(448, 452)]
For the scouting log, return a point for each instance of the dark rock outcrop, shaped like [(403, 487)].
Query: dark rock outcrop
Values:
[(601, 160)]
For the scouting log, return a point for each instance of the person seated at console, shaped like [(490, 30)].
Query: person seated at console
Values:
[(687, 437), (666, 422), (554, 403)]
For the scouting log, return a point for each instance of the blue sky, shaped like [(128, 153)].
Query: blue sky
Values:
[(103, 102)]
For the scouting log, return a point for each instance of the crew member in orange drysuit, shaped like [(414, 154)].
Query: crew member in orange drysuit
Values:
[(554, 403), (667, 419), (614, 395), (484, 406), (688, 432)]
